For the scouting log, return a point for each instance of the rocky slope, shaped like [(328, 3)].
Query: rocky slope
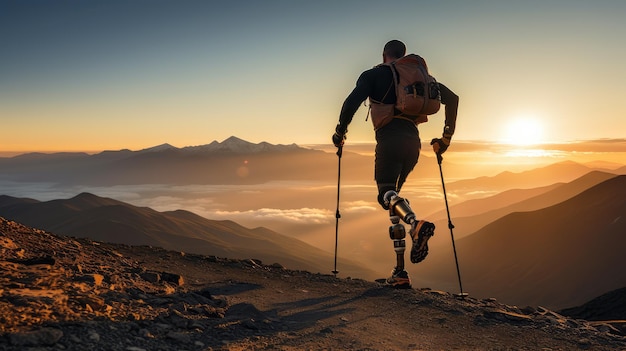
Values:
[(61, 293)]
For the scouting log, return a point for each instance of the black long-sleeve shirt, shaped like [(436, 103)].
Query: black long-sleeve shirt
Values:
[(377, 84)]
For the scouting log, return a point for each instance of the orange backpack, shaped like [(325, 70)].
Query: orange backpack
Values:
[(417, 91)]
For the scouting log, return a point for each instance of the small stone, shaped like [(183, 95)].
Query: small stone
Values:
[(145, 333), (95, 278), (176, 279), (44, 336), (151, 277), (94, 336), (326, 331), (180, 337), (7, 243), (249, 324), (134, 316), (91, 302)]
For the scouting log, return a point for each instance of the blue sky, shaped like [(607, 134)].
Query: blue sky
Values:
[(95, 75)]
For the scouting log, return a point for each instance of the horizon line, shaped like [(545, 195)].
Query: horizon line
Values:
[(603, 141)]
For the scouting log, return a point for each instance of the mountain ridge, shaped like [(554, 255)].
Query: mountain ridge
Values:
[(537, 177), (232, 161), (541, 254), (230, 144), (110, 220), (472, 215)]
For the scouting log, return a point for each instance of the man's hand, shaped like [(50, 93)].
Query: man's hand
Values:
[(339, 137), (440, 145)]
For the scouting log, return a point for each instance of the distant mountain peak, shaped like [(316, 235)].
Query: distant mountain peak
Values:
[(234, 144), (87, 200), (234, 139), (157, 148)]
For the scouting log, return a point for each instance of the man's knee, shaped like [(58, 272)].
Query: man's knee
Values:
[(384, 203)]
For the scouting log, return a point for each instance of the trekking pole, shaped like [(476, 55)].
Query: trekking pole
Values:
[(337, 215), (451, 226)]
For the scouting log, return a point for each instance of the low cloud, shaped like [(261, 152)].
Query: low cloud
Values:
[(360, 206), (298, 215)]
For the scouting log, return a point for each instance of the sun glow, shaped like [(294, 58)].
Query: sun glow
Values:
[(523, 131)]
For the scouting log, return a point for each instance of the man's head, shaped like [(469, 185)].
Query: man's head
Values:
[(393, 50)]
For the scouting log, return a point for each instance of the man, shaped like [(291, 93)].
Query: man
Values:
[(397, 150)]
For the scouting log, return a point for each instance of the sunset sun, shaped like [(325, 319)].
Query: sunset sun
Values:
[(523, 131)]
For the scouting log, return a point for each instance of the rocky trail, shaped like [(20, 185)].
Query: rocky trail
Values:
[(61, 293)]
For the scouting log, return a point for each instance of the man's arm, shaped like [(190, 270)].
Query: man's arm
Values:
[(451, 102), (352, 103)]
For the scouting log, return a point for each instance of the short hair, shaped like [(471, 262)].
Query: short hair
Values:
[(395, 49)]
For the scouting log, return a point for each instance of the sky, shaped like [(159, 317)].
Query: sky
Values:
[(107, 75)]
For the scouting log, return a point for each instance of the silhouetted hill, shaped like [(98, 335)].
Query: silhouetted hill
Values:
[(472, 215), (478, 206), (559, 172), (232, 161), (609, 306), (558, 256), (108, 220)]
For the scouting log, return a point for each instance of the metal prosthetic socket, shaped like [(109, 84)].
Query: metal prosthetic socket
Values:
[(399, 206)]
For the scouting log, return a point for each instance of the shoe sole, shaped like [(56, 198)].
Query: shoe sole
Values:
[(419, 250)]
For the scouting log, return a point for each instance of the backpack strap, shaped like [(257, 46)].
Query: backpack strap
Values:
[(386, 93)]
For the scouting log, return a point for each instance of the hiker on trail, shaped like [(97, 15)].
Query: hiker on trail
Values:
[(401, 95)]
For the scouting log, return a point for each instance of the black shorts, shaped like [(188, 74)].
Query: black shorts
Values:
[(397, 151)]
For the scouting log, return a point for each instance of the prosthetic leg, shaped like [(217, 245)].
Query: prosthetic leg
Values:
[(399, 277), (421, 231)]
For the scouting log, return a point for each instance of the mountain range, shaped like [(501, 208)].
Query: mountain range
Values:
[(538, 241), (109, 220), (558, 256), (232, 161), (565, 171), (236, 161), (472, 215)]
